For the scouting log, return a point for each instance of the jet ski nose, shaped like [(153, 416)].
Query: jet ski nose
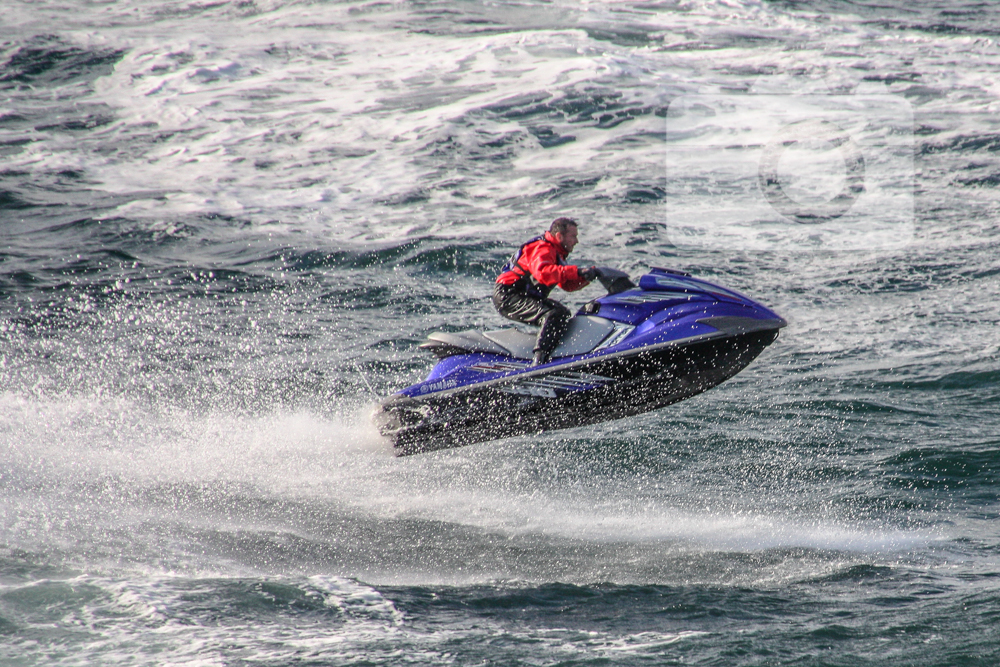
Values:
[(735, 325)]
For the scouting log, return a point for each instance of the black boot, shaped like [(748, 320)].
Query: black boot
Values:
[(541, 357)]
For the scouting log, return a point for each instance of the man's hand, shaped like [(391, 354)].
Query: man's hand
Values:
[(589, 274)]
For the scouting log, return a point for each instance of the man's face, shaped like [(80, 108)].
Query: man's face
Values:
[(568, 238)]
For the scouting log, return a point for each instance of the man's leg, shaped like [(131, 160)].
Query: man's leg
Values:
[(554, 325), (519, 306)]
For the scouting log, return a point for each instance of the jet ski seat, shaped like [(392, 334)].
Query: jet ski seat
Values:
[(585, 333)]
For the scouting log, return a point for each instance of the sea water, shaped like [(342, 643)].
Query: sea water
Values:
[(225, 228)]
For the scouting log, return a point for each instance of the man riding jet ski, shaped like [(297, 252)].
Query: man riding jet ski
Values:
[(521, 292), (639, 348)]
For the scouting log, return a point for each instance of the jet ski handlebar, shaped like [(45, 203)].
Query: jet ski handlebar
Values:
[(613, 280)]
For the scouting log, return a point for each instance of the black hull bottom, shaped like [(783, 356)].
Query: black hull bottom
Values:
[(533, 402)]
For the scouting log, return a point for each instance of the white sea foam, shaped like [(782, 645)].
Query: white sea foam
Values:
[(60, 450), (311, 112)]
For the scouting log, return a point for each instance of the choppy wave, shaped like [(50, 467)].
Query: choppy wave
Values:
[(225, 228)]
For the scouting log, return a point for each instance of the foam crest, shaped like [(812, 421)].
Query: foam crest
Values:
[(173, 620)]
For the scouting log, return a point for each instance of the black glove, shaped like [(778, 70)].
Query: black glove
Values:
[(589, 274)]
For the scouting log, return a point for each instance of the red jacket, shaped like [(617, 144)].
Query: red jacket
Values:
[(545, 260)]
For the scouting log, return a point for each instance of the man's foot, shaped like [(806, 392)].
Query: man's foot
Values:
[(541, 357)]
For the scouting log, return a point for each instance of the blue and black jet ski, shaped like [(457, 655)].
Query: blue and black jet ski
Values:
[(638, 348)]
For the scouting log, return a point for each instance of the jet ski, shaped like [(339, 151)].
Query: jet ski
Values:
[(639, 348)]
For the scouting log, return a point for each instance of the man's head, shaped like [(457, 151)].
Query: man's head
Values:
[(565, 231)]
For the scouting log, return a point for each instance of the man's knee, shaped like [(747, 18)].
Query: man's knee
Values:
[(555, 319), (556, 309), (520, 307), (498, 298)]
